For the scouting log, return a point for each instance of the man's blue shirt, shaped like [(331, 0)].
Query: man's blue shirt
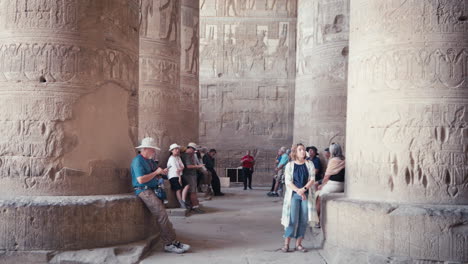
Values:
[(140, 167), (284, 160)]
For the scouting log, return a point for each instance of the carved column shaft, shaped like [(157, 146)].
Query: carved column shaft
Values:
[(406, 175), (322, 72), (68, 117)]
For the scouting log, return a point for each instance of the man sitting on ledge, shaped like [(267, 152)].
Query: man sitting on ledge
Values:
[(145, 174)]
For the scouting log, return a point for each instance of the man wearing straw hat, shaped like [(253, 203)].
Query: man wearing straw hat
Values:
[(145, 174)]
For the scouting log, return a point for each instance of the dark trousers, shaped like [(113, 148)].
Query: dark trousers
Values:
[(273, 185), (247, 172), (215, 183)]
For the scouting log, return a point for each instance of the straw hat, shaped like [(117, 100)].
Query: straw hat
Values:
[(148, 142)]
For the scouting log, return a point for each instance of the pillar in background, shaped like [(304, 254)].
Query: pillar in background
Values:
[(321, 72)]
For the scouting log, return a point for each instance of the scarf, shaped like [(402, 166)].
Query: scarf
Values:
[(335, 165)]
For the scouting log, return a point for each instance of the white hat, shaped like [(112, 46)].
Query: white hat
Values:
[(192, 145), (148, 142), (173, 146)]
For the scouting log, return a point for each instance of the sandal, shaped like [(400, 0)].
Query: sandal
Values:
[(285, 249), (301, 248)]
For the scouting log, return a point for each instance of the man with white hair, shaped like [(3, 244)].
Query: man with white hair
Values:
[(145, 174)]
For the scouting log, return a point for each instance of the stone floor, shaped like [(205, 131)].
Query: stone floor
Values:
[(241, 227)]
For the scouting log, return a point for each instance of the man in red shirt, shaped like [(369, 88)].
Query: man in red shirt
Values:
[(248, 163)]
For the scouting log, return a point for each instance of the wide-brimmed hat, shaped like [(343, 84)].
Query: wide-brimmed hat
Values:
[(148, 142), (173, 146), (192, 145)]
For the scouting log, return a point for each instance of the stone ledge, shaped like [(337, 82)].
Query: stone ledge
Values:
[(434, 233), (127, 253), (72, 222)]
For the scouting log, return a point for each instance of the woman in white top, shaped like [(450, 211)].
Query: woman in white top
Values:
[(175, 168)]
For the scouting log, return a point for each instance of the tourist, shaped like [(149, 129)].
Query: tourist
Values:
[(279, 170), (298, 205), (145, 174), (209, 161), (248, 163), (175, 167), (314, 157), (277, 160), (190, 175), (333, 181)]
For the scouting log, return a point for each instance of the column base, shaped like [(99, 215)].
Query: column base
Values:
[(31, 223), (376, 232)]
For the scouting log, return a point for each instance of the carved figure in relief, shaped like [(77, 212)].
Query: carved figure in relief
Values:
[(146, 8), (231, 4), (258, 53), (209, 50), (280, 65), (194, 47), (229, 48), (173, 4)]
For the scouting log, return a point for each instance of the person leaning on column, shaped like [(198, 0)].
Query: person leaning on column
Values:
[(145, 174)]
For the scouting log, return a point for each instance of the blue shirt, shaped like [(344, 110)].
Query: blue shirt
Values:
[(284, 160), (318, 166), (300, 175), (140, 167)]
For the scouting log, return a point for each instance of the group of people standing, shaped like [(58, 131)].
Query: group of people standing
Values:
[(305, 185)]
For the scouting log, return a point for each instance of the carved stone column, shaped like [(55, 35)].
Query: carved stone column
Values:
[(321, 77), (68, 92), (407, 181), (247, 58)]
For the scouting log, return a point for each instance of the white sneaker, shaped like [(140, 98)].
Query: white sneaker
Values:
[(185, 247), (173, 248)]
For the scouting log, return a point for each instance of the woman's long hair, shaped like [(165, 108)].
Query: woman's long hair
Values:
[(335, 151)]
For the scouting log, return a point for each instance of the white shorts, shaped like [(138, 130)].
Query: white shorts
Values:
[(331, 187)]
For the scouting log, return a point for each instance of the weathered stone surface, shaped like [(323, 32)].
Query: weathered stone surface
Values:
[(407, 101), (395, 231), (247, 57), (68, 86), (72, 222), (168, 95), (406, 175), (321, 72)]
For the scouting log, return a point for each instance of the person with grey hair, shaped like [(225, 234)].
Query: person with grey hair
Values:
[(333, 181), (145, 174)]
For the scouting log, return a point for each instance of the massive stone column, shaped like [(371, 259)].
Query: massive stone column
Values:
[(407, 181), (321, 77), (168, 96), (247, 56), (68, 85)]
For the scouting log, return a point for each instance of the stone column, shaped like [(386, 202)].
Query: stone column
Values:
[(247, 57), (168, 107), (321, 72), (407, 134), (189, 59), (68, 85)]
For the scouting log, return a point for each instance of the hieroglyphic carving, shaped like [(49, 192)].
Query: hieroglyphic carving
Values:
[(321, 83), (420, 127), (261, 53)]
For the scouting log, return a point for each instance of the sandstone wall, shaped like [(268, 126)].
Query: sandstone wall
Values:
[(322, 72), (247, 58), (406, 175), (68, 124)]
